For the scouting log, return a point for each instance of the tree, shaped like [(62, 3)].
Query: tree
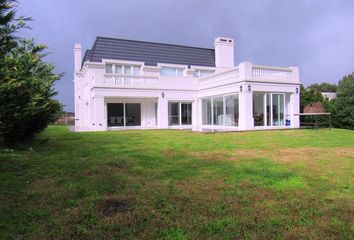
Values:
[(324, 87), (309, 95), (8, 26), (342, 108), (26, 82)]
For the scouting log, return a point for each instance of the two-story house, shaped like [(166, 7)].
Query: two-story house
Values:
[(125, 84)]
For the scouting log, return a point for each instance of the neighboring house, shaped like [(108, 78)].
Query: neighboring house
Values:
[(125, 84), (329, 95)]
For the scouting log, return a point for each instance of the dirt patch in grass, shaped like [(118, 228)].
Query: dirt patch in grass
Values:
[(211, 156), (170, 153), (110, 207), (312, 154), (110, 167), (251, 153), (118, 165), (296, 154)]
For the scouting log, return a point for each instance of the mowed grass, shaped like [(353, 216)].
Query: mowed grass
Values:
[(164, 184)]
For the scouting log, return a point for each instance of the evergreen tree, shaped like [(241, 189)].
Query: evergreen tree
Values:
[(342, 108), (26, 82)]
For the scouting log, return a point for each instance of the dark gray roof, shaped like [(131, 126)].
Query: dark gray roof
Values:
[(149, 52), (87, 55)]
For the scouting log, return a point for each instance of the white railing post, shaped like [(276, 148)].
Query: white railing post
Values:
[(295, 74), (245, 71)]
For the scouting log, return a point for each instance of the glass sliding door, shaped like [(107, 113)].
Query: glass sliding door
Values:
[(173, 114), (258, 109), (218, 110), (115, 114), (156, 109), (123, 114), (186, 113), (278, 109), (231, 110), (268, 109), (179, 113), (206, 112), (132, 114)]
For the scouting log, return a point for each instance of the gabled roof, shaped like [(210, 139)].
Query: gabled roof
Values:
[(149, 52)]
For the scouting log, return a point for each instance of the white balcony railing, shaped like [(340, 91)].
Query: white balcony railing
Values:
[(129, 80), (271, 73)]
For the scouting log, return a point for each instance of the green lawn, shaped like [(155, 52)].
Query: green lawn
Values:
[(164, 184)]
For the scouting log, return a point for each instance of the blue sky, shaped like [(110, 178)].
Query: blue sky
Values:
[(317, 36)]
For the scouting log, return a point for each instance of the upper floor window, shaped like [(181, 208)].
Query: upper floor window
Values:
[(202, 72), (171, 71), (123, 69)]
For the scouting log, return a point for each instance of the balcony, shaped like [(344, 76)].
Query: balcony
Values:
[(272, 73), (145, 82), (136, 81), (247, 72)]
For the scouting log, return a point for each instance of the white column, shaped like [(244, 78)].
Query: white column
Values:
[(246, 109), (295, 74), (77, 57), (195, 115), (199, 113), (295, 109), (245, 71), (99, 119), (162, 112)]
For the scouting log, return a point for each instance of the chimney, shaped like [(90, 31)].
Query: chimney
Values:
[(77, 56), (224, 52)]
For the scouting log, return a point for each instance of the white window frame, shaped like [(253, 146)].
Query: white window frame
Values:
[(201, 68), (124, 114), (271, 109), (180, 113), (124, 64), (176, 66), (211, 98)]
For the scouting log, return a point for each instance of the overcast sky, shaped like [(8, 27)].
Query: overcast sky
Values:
[(315, 35)]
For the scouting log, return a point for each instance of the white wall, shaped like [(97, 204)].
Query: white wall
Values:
[(92, 92)]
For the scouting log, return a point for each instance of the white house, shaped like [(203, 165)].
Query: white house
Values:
[(329, 95), (125, 84)]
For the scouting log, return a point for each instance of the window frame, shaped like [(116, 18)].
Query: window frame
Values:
[(123, 69), (211, 99), (265, 104), (179, 113), (124, 115)]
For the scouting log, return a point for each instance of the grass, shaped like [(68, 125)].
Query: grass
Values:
[(290, 184)]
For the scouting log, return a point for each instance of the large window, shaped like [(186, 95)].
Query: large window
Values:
[(278, 109), (221, 110), (171, 71), (173, 114), (206, 112), (186, 113), (258, 109), (202, 72), (231, 110), (123, 114), (132, 114), (218, 110), (115, 112), (268, 109), (179, 113), (123, 69)]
